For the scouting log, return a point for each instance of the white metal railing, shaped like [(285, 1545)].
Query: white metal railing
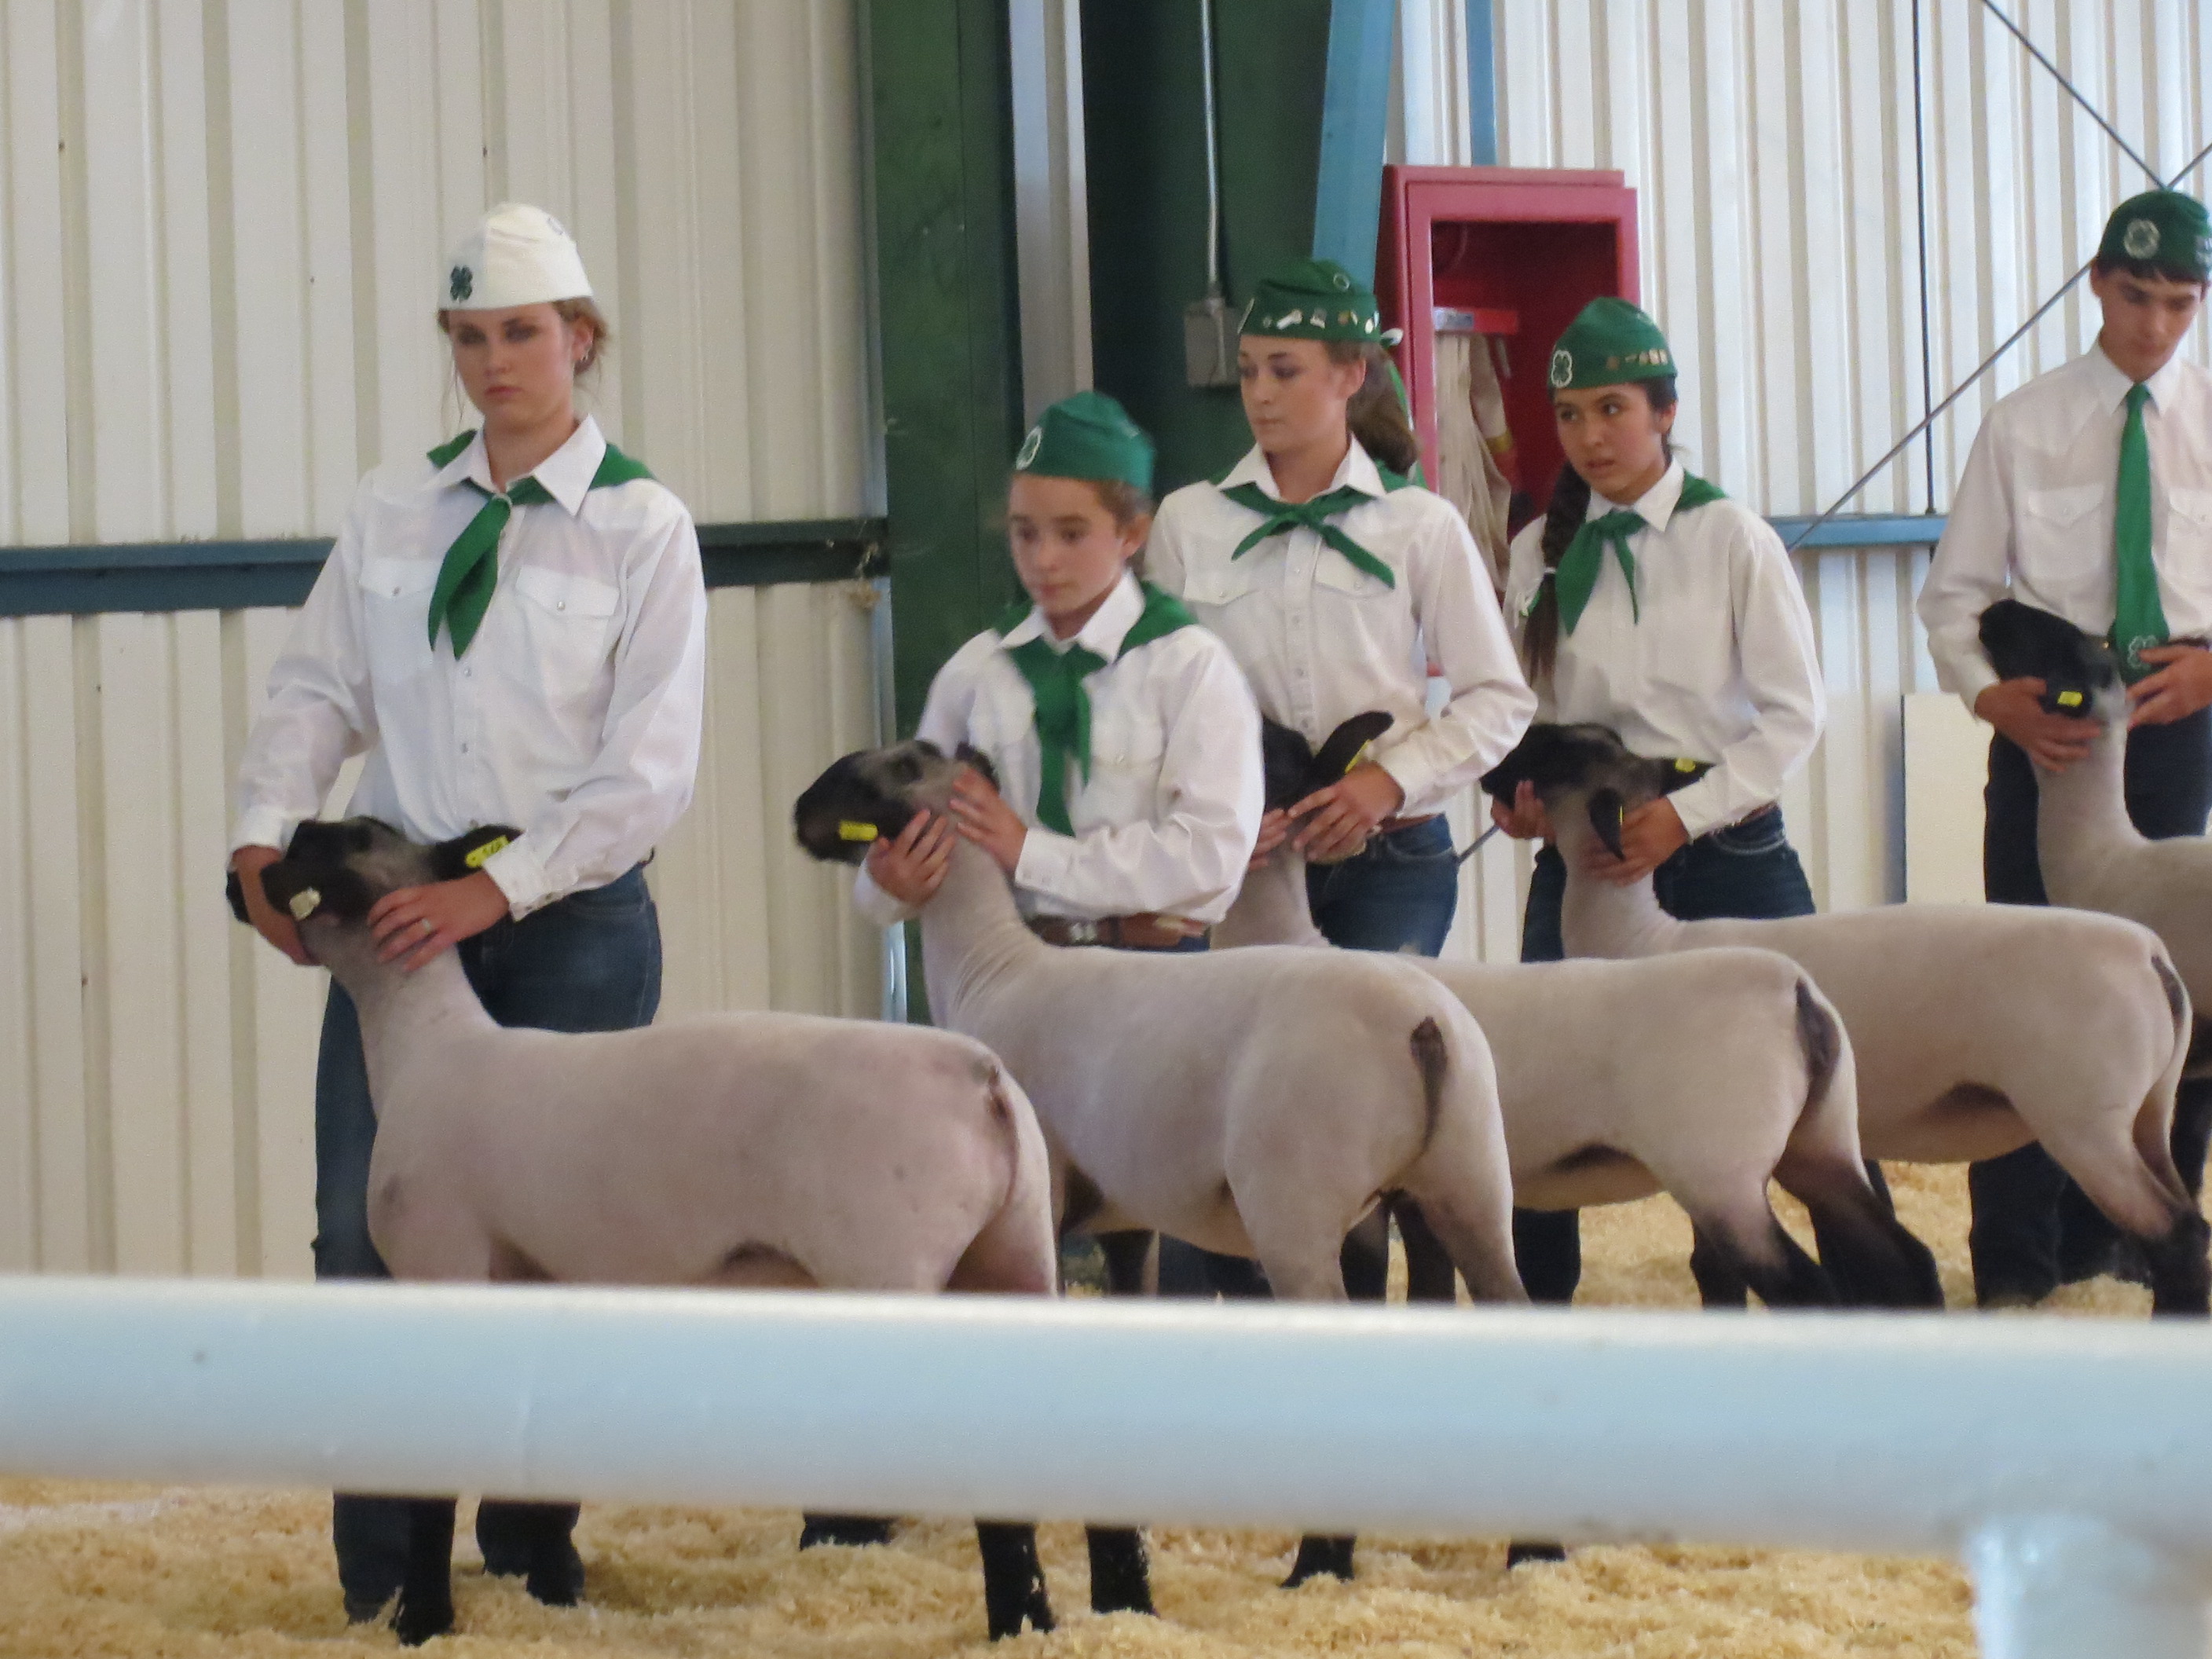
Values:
[(2066, 1463)]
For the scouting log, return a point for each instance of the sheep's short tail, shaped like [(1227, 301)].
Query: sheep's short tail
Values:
[(1460, 1178), (1015, 1249)]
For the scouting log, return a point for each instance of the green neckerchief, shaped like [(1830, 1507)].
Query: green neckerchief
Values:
[(1577, 576), (2138, 618), (470, 574), (1280, 517), (1063, 706)]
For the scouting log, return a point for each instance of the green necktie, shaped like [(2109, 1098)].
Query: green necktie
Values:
[(470, 575), (2138, 619), (1278, 518), (1063, 706), (1577, 576)]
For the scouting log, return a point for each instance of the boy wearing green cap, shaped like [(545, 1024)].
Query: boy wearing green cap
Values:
[(2089, 494), (1647, 601), (513, 628), (1125, 740)]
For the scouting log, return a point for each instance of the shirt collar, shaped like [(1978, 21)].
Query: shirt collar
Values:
[(1358, 469), (1101, 635), (2110, 382), (1656, 507), (566, 473)]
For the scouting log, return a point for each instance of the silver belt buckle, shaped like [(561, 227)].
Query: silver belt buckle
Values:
[(1083, 933)]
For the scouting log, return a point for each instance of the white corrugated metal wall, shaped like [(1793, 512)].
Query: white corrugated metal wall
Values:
[(223, 224), (1772, 144)]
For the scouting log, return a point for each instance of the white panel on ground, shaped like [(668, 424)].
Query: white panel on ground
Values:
[(1946, 763)]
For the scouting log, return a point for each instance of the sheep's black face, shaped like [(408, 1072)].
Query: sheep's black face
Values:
[(869, 793), (1590, 764), (1291, 769), (2025, 643), (335, 873)]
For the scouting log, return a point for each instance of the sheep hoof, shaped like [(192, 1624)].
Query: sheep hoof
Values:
[(854, 1531), (422, 1617), (556, 1576), (1518, 1554), (1320, 1557)]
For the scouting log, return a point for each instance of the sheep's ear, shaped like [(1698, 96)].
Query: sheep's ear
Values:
[(1504, 780), (1606, 811), (1679, 774), (466, 854), (1341, 749), (234, 890), (968, 756), (1286, 762)]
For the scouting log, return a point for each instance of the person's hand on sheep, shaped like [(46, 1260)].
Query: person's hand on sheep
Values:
[(1526, 818), (1650, 836), (2054, 742), (2182, 685), (1341, 818), (412, 925), (1275, 830), (985, 819), (911, 866), (272, 924)]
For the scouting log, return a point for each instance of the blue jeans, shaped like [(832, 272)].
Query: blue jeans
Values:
[(1398, 894), (1748, 869), (590, 961)]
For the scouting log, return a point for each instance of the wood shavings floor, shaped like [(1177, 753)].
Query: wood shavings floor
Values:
[(135, 1573)]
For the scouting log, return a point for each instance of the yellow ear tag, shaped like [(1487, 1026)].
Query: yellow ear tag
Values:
[(2069, 699), (476, 856), (849, 829), (1366, 750), (304, 903), (1684, 763)]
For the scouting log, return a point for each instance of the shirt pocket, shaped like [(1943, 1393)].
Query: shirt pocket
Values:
[(1127, 748), (567, 628), (2064, 540), (395, 605), (2189, 529), (1336, 573), (1222, 581)]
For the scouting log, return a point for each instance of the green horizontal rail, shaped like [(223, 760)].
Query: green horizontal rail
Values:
[(234, 575)]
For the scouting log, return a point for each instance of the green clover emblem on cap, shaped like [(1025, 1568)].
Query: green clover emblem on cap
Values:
[(1030, 447), (1563, 368), (2140, 239), (1609, 342), (461, 281)]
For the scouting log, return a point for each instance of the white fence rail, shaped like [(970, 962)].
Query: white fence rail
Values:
[(2065, 1463)]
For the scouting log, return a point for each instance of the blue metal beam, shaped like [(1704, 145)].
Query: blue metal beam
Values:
[(1355, 130), (1864, 530), (1482, 83)]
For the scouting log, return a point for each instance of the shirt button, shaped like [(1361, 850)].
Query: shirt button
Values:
[(468, 673), (560, 605), (465, 749)]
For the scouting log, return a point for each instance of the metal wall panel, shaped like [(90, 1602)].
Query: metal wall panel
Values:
[(251, 201), (1772, 145)]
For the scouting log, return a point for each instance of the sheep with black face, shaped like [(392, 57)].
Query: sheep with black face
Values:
[(1977, 1028), (1701, 1075), (1258, 1102), (753, 1150)]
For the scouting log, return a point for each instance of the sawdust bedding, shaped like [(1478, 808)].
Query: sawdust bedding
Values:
[(134, 1572)]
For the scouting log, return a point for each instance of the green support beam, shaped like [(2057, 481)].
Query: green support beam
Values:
[(948, 319)]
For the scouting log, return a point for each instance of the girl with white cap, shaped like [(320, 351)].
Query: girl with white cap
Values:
[(513, 630)]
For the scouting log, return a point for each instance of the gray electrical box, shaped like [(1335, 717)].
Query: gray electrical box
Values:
[(1209, 343)]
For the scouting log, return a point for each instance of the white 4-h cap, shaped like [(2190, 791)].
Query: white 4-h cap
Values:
[(518, 255)]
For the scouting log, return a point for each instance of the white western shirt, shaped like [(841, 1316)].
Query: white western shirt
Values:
[(574, 714), (1721, 668), (1323, 640), (2033, 511), (1171, 810)]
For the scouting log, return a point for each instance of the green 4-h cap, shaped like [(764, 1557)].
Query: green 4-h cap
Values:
[(1090, 436), (1315, 299), (2161, 227), (1609, 343)]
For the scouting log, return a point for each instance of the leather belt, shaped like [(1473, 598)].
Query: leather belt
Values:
[(1147, 931), (1765, 811), (1392, 826)]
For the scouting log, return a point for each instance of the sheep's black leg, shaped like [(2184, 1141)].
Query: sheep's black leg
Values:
[(1124, 1254), (1121, 1571), (1874, 1258), (854, 1530), (1365, 1263), (426, 1596), (1519, 1554), (533, 1542), (1429, 1273), (1318, 1555), (1719, 1285), (1013, 1579), (2180, 1277)]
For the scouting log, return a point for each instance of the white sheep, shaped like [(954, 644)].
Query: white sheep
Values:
[(2093, 857), (1257, 1103), (727, 1150), (1700, 1075), (1977, 1028)]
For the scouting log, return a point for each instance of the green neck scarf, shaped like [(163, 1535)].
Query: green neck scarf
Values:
[(1280, 517), (2138, 617), (470, 575), (1577, 577), (1063, 706)]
